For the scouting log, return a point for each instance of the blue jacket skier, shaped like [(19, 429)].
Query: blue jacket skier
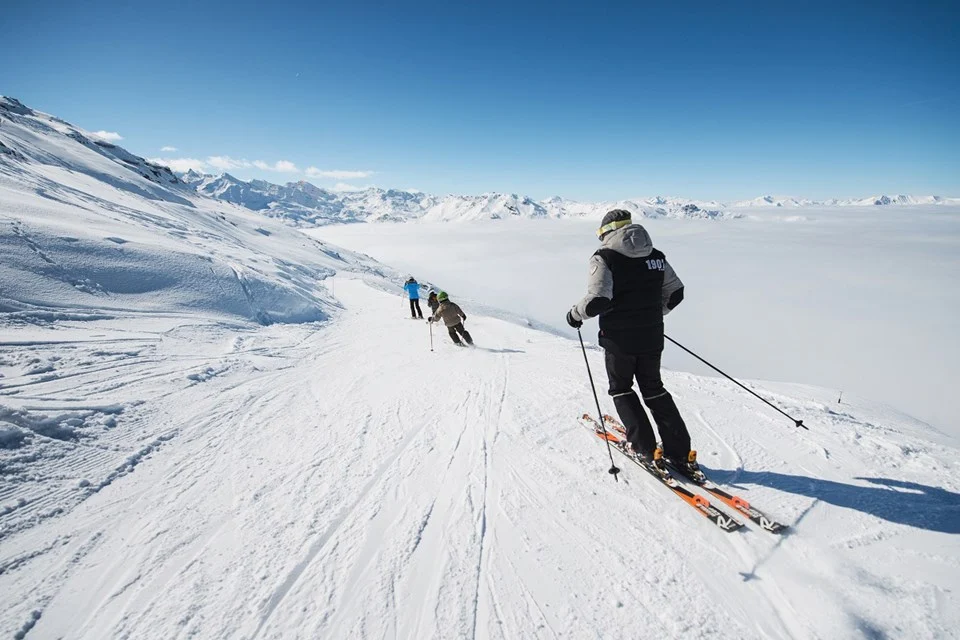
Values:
[(412, 287)]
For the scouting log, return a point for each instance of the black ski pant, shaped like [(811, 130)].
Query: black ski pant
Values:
[(621, 371), (415, 308), (458, 328)]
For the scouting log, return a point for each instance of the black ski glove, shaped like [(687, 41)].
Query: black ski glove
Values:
[(573, 322)]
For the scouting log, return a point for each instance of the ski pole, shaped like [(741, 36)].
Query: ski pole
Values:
[(613, 466), (430, 324), (796, 422)]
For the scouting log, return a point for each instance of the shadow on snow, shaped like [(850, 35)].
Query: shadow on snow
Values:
[(909, 503), (489, 350)]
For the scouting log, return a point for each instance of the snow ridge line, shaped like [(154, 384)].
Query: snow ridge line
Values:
[(281, 592)]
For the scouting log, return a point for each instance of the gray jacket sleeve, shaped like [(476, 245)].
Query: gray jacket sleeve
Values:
[(672, 292), (599, 290)]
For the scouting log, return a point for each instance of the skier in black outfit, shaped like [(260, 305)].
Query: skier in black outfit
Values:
[(631, 287), (432, 301)]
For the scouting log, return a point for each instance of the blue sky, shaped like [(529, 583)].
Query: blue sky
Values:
[(584, 100)]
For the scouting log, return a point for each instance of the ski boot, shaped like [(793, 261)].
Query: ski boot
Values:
[(654, 462), (691, 469)]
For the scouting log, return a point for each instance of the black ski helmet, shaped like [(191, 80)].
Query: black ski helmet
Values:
[(612, 221)]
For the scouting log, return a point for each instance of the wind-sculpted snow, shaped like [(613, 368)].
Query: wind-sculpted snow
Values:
[(33, 136), (87, 228)]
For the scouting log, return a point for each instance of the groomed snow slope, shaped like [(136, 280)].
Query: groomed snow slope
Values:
[(340, 480)]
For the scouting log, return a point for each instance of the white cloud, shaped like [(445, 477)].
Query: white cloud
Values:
[(343, 186), (225, 163), (170, 149), (107, 136), (337, 174), (280, 166), (181, 165)]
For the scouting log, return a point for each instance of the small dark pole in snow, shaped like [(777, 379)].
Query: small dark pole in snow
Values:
[(613, 466), (798, 423), (840, 398)]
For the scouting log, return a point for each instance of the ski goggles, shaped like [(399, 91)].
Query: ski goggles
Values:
[(612, 226)]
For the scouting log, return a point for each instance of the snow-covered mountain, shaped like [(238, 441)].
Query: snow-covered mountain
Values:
[(93, 230), (36, 138), (880, 200), (772, 201), (656, 207), (883, 200), (303, 204)]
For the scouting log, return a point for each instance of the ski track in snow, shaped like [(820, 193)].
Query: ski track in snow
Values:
[(340, 480)]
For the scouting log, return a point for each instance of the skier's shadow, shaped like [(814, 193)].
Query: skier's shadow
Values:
[(488, 350), (909, 503)]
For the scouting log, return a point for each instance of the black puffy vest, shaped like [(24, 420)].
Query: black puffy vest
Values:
[(634, 322)]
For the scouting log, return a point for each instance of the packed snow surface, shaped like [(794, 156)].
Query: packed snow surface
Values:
[(212, 425), (341, 480)]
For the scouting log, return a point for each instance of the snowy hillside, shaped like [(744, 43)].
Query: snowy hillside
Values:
[(215, 426), (90, 230)]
